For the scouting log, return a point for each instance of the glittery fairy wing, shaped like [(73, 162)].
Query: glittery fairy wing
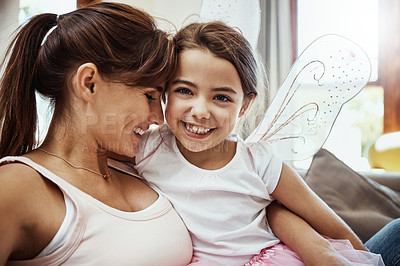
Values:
[(236, 14), (329, 72)]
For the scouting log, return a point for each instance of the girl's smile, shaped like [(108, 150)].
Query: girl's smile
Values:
[(204, 100), (196, 131)]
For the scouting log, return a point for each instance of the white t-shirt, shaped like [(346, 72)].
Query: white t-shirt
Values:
[(223, 209)]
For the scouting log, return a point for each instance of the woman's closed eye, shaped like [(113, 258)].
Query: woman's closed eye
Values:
[(150, 97)]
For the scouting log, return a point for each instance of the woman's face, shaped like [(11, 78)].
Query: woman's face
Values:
[(126, 112)]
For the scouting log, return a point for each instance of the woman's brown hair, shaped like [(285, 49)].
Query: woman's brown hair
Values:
[(123, 42)]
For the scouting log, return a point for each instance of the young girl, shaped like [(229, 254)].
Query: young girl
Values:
[(219, 185)]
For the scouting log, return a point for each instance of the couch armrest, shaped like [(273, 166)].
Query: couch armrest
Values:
[(388, 179), (365, 201)]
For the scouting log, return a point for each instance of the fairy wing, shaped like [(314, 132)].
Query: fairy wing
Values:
[(329, 72)]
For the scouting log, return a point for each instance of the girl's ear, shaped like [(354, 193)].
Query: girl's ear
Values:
[(87, 81), (246, 103)]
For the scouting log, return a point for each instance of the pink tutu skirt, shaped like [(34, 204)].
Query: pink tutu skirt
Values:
[(281, 254)]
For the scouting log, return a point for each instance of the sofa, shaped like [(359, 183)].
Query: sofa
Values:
[(365, 201)]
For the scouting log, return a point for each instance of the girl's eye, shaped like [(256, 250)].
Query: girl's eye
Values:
[(222, 98), (184, 91)]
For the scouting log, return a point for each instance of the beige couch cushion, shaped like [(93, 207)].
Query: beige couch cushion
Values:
[(365, 205)]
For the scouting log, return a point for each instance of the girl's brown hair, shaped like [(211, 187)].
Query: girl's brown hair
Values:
[(224, 42), (123, 42), (229, 43)]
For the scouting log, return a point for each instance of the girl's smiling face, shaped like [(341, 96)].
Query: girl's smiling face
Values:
[(204, 100)]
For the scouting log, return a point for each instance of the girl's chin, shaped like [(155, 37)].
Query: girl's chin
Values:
[(195, 146)]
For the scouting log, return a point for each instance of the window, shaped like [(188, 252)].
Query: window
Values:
[(356, 20), (29, 8), (360, 121)]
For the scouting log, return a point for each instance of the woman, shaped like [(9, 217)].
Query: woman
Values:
[(103, 68)]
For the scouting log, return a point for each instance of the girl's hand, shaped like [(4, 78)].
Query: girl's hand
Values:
[(331, 258), (298, 197), (297, 234)]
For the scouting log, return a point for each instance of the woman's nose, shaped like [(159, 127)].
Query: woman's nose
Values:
[(156, 115), (200, 109)]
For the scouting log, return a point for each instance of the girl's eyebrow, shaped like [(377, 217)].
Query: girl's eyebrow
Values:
[(225, 89), (222, 89), (184, 82)]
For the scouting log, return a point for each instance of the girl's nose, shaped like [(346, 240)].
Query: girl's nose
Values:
[(200, 109)]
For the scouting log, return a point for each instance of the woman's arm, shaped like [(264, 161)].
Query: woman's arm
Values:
[(9, 226), (302, 238), (31, 210), (295, 195), (12, 210)]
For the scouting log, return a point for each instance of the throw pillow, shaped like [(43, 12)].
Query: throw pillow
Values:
[(365, 205)]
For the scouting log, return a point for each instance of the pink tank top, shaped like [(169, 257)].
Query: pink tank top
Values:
[(102, 235)]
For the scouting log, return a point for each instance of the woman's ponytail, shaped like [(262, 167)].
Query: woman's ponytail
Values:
[(18, 115)]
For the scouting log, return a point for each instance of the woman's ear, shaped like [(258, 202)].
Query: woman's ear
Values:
[(246, 103), (87, 81)]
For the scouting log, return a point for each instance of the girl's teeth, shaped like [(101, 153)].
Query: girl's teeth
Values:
[(138, 130), (197, 129)]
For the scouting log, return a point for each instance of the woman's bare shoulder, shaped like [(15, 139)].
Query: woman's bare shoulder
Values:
[(18, 176), (20, 185), (22, 189)]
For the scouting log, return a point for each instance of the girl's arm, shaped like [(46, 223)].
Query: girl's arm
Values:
[(302, 238), (295, 195)]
